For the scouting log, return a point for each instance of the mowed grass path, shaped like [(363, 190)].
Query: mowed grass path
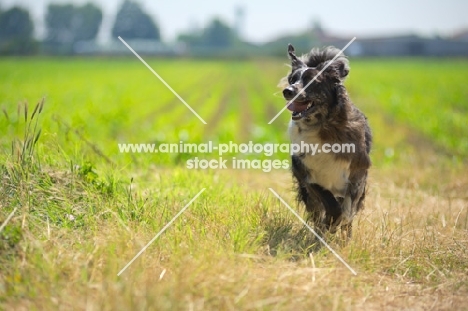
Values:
[(83, 210)]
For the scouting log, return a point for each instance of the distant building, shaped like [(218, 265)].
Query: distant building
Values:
[(404, 45), (461, 35)]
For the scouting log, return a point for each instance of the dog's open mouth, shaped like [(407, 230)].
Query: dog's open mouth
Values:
[(300, 109)]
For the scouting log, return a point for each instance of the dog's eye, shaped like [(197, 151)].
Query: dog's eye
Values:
[(308, 75), (293, 78)]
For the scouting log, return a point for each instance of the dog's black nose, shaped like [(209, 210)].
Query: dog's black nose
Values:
[(288, 93)]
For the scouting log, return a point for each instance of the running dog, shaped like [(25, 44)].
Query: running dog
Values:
[(332, 185)]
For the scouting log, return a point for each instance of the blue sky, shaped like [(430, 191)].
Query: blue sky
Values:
[(265, 20)]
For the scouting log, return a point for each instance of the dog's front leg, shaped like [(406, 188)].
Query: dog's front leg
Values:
[(324, 210), (311, 200), (333, 210), (352, 203), (347, 218)]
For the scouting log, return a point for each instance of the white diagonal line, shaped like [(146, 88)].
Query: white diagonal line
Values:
[(292, 100), (162, 80), (313, 231), (8, 219), (160, 232)]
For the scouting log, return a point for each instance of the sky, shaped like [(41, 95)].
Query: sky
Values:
[(265, 20)]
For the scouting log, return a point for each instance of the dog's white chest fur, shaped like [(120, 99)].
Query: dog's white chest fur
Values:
[(324, 168)]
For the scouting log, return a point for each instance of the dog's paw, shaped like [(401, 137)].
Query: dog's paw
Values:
[(332, 224)]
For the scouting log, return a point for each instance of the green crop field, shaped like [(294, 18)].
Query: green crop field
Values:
[(74, 210)]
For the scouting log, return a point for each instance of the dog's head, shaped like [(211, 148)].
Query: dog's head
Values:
[(311, 92)]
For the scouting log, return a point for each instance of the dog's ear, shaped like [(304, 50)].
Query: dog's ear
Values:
[(338, 70), (295, 62), (341, 65)]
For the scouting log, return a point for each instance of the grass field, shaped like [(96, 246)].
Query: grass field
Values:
[(81, 210)]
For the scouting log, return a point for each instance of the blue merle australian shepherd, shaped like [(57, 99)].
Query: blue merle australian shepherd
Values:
[(332, 186)]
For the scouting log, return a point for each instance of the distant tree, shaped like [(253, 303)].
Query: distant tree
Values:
[(218, 34), (58, 21), (67, 24), (191, 39), (132, 22), (16, 32), (15, 23), (87, 21), (301, 41)]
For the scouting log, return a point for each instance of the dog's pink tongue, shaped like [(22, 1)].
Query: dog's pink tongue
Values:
[(296, 107)]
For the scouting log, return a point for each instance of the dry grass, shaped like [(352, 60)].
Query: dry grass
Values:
[(235, 248)]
